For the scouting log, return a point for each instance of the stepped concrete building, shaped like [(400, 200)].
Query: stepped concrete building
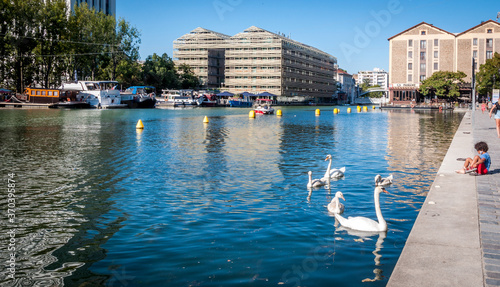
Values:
[(416, 53), (203, 50), (257, 60), (376, 77)]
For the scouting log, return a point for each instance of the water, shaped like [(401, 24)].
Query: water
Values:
[(184, 203)]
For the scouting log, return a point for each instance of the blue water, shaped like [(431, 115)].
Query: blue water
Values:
[(183, 203)]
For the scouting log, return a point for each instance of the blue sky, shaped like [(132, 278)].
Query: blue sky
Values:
[(355, 32)]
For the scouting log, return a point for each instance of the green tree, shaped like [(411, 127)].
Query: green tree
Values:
[(51, 34), (22, 39), (442, 84), (160, 72), (187, 77), (484, 79)]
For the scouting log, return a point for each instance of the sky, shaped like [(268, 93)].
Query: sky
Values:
[(355, 32)]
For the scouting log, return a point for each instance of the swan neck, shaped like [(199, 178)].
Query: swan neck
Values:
[(378, 211)]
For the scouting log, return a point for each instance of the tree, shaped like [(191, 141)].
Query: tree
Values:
[(160, 72), (51, 34), (187, 77), (484, 79), (443, 84)]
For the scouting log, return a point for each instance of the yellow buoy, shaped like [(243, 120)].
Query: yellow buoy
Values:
[(349, 110), (373, 107), (205, 120), (365, 109), (139, 125), (251, 114), (278, 113), (335, 111), (318, 112)]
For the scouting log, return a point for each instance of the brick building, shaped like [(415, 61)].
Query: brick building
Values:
[(423, 49)]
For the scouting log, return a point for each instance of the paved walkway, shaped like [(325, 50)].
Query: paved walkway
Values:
[(456, 238)]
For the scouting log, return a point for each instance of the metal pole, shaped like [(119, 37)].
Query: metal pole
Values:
[(473, 84)]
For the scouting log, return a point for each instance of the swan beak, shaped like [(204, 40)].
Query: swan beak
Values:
[(384, 191), (342, 197)]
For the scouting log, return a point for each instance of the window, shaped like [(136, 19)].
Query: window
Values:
[(423, 44), (474, 41), (422, 56), (422, 67), (50, 93), (410, 66), (436, 54), (436, 66), (436, 42), (489, 31), (410, 43), (489, 55), (489, 43), (474, 54), (422, 77), (410, 78), (410, 54), (422, 32)]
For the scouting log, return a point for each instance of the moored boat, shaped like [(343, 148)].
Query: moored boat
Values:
[(241, 101), (99, 94), (176, 98), (139, 97)]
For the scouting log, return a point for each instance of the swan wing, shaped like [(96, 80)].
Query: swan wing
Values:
[(360, 223)]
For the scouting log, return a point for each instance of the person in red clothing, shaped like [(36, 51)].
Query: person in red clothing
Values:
[(480, 164)]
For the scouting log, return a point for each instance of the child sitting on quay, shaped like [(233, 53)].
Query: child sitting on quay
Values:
[(480, 164)]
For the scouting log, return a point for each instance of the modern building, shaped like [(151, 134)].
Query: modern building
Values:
[(423, 49), (106, 6), (204, 51), (257, 60), (377, 77)]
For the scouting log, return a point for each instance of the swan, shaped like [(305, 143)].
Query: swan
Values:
[(335, 206), (383, 181), (363, 223), (316, 182), (335, 173)]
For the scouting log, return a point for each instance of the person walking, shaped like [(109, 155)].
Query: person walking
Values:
[(495, 110)]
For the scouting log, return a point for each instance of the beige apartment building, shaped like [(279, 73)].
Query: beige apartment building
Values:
[(423, 49), (203, 50), (257, 61)]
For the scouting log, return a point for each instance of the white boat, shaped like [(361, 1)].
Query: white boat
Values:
[(263, 106), (176, 98), (99, 94)]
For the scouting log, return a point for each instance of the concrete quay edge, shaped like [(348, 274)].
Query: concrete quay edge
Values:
[(444, 245)]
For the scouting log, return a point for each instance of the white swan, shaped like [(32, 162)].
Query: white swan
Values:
[(316, 182), (383, 181), (363, 223), (335, 173), (335, 206)]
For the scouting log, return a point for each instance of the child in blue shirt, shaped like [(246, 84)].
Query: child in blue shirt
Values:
[(480, 164)]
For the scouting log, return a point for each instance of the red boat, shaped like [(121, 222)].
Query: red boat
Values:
[(263, 106)]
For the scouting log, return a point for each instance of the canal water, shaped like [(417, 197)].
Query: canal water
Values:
[(183, 203)]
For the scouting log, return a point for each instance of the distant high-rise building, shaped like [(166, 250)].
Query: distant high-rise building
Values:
[(108, 7), (377, 77), (416, 53), (256, 61)]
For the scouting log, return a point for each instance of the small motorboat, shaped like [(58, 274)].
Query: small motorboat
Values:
[(263, 106)]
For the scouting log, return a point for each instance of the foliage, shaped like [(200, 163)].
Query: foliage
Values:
[(43, 44), (442, 84), (484, 78), (187, 77), (160, 72)]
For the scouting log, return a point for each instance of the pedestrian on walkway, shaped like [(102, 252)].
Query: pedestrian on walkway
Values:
[(495, 110), (480, 164)]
